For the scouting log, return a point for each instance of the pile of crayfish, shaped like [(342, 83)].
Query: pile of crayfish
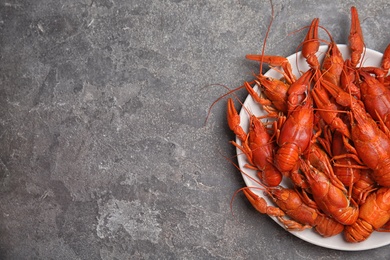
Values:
[(327, 132)]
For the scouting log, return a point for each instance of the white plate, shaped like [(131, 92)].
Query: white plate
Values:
[(377, 239)]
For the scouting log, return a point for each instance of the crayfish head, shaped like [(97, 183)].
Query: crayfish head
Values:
[(280, 193), (286, 199)]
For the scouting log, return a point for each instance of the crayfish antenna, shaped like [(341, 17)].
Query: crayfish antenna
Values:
[(266, 36), (260, 187), (230, 91)]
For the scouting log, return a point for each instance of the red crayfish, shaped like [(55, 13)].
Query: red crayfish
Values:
[(329, 139)]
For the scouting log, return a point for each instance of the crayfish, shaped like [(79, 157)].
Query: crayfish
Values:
[(327, 133)]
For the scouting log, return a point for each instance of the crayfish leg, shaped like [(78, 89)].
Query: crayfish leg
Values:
[(311, 45), (261, 205), (292, 225), (234, 121), (355, 38)]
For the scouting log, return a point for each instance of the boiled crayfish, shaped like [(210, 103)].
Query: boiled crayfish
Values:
[(329, 137)]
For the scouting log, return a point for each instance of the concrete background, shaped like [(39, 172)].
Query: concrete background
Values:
[(104, 151)]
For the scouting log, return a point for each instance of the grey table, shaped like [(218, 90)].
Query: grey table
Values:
[(104, 150)]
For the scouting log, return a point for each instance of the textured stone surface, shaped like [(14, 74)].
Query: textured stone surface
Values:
[(104, 150)]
